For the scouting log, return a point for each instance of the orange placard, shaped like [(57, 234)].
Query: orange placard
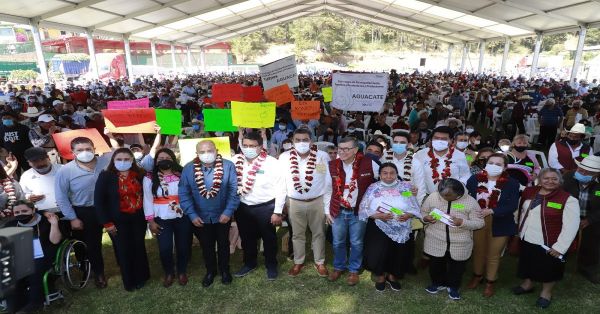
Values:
[(130, 120), (280, 94), (63, 141), (306, 110)]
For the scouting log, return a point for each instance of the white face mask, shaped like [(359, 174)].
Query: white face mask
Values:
[(249, 153), (85, 156), (462, 144), (469, 130), (439, 145), (302, 148), (207, 158), (138, 156), (476, 142), (389, 184), (287, 146), (493, 170), (504, 148)]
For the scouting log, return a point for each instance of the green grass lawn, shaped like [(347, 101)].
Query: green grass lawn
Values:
[(309, 293)]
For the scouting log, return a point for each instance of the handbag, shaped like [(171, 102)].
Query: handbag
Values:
[(514, 243)]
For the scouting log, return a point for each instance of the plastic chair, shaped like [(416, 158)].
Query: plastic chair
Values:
[(541, 156), (399, 130), (322, 146)]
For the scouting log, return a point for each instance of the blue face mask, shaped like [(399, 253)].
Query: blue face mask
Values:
[(581, 178), (196, 127), (398, 148), (8, 122)]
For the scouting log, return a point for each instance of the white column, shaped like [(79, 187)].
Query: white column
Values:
[(536, 55), (37, 41), (128, 59), (202, 60), (173, 59), (481, 54), (92, 52), (449, 65), (579, 52), (154, 61), (464, 57), (189, 60), (505, 56)]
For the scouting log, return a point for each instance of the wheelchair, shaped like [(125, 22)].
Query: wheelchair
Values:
[(71, 265)]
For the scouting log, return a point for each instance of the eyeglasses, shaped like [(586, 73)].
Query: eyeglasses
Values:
[(345, 149)]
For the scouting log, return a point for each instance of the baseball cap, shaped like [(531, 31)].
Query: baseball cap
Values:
[(46, 118)]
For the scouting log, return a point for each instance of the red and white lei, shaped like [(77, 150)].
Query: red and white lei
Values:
[(353, 180), (407, 174), (245, 187), (485, 199), (217, 177), (446, 173), (310, 169), (10, 191)]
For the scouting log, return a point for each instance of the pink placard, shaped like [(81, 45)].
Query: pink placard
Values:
[(129, 104)]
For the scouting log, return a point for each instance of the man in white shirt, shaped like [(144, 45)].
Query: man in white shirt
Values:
[(306, 178), (38, 182), (262, 193), (442, 161), (563, 153), (409, 169)]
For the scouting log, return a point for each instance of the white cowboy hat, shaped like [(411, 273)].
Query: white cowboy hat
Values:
[(589, 163), (578, 128), (31, 112)]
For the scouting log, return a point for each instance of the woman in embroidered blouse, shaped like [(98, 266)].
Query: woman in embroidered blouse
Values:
[(548, 223), (10, 193), (388, 207), (165, 217), (118, 200), (498, 198)]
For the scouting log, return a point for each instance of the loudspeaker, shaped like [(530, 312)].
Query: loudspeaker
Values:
[(422, 62), (16, 256)]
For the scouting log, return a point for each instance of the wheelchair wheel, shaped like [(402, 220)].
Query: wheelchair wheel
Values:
[(75, 265)]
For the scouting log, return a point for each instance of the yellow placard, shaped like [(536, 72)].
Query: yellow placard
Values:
[(253, 114), (327, 94), (187, 148)]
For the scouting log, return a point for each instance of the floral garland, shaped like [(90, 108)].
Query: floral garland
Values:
[(10, 191), (389, 155), (353, 180), (484, 197), (446, 173), (217, 177), (407, 175), (245, 187), (163, 183), (310, 168)]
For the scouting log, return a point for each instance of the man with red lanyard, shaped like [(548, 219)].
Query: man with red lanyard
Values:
[(563, 154), (351, 175)]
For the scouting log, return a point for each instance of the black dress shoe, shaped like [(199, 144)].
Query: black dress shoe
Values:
[(226, 277), (208, 280)]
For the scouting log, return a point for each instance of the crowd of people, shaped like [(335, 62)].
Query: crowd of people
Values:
[(449, 161)]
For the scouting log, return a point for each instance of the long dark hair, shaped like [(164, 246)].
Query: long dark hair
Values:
[(134, 166), (176, 169), (3, 174)]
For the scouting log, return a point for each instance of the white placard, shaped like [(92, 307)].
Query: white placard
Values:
[(282, 71), (359, 91)]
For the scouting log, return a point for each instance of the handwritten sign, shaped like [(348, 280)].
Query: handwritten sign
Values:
[(218, 120), (227, 92), (282, 71), (187, 148), (327, 94), (169, 121), (63, 141), (359, 91), (253, 114), (129, 104), (130, 120), (280, 94), (306, 110)]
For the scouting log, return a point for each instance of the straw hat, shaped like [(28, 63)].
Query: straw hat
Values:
[(31, 112), (525, 97), (589, 163), (578, 128)]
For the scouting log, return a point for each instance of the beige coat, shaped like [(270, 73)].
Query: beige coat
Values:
[(461, 237)]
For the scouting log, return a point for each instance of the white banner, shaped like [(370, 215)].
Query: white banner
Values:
[(359, 91), (282, 71)]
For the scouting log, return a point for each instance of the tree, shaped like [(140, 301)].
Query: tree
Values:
[(249, 46)]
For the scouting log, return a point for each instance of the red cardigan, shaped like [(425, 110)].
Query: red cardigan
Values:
[(365, 178)]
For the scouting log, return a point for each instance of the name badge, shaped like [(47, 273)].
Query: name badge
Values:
[(597, 193), (320, 168), (409, 193), (459, 207), (584, 155), (260, 172), (38, 252), (529, 163), (554, 205), (469, 158)]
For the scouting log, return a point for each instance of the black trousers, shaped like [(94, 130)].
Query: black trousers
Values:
[(91, 235), (547, 135), (588, 256), (520, 126), (209, 235), (480, 111), (130, 249), (254, 221), (444, 271)]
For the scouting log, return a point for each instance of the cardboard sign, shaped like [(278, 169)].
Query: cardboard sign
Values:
[(253, 94), (129, 104), (187, 148), (280, 95), (327, 94), (306, 110), (359, 91), (130, 120), (227, 92), (218, 120), (63, 141), (282, 71), (253, 114), (169, 121)]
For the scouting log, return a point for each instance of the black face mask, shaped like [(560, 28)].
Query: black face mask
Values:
[(164, 164), (573, 142), (520, 149), (23, 219)]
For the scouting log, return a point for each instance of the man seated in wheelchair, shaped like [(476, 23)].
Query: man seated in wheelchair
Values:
[(46, 239)]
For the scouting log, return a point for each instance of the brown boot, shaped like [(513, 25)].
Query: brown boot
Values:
[(295, 270), (475, 281), (183, 279), (335, 275), (489, 289), (168, 281), (353, 279), (100, 282), (322, 270)]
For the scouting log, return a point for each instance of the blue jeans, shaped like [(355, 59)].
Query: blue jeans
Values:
[(345, 225), (180, 230)]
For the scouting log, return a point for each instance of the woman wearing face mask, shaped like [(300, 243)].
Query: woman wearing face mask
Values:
[(519, 155), (498, 197), (461, 142), (118, 199), (10, 193), (165, 218), (388, 207)]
